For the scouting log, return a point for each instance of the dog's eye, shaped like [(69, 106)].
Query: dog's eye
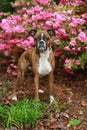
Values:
[(46, 38), (38, 38)]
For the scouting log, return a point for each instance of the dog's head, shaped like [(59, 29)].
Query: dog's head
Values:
[(42, 38)]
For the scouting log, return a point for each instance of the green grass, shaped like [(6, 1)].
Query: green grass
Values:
[(23, 112), (58, 107), (6, 86), (74, 122)]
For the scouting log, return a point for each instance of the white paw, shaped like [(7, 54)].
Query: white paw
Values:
[(40, 91), (29, 67), (14, 98), (51, 99)]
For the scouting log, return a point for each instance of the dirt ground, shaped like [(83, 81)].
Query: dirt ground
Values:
[(68, 89)]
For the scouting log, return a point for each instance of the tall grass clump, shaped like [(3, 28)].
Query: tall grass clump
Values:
[(2, 113), (23, 112)]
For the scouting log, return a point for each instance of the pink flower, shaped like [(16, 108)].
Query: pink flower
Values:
[(77, 62), (20, 11), (34, 25), (74, 22), (82, 37), (56, 42), (69, 70), (55, 26), (69, 12), (15, 41), (84, 16), (48, 23), (18, 4), (79, 49), (14, 74), (2, 14), (2, 46), (71, 4), (36, 17), (8, 71), (74, 50), (67, 48), (3, 62), (68, 61), (62, 32), (85, 48), (31, 40), (64, 1), (79, 2), (25, 43), (30, 12), (73, 43), (61, 17), (45, 2), (46, 15), (6, 53), (13, 66), (19, 29), (37, 8), (81, 21), (74, 31), (68, 65), (58, 52), (28, 43)]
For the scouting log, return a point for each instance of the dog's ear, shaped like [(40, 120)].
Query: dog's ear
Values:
[(32, 32), (51, 32)]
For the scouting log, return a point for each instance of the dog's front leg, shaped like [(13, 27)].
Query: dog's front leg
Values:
[(51, 80), (16, 84), (20, 77), (36, 83)]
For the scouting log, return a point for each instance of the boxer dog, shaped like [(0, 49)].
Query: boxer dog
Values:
[(40, 58)]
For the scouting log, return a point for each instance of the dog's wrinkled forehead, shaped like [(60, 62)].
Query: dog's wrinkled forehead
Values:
[(42, 35)]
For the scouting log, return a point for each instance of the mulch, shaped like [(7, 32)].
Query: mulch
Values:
[(70, 90)]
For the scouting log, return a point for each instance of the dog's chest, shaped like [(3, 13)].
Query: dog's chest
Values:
[(44, 66)]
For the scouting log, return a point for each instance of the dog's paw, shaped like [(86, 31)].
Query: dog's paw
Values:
[(40, 91), (29, 67), (14, 98), (51, 99)]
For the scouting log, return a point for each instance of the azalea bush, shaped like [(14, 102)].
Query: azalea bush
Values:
[(68, 19)]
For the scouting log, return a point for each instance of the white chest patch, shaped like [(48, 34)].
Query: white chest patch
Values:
[(44, 66)]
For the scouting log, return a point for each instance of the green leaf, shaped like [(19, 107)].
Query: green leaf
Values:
[(74, 122), (4, 91)]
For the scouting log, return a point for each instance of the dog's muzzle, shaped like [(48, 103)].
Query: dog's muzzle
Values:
[(42, 45)]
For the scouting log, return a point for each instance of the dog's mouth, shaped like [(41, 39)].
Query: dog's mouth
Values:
[(41, 46)]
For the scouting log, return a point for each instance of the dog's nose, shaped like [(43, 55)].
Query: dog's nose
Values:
[(41, 42)]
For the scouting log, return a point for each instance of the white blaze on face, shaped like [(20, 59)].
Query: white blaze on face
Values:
[(42, 34)]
